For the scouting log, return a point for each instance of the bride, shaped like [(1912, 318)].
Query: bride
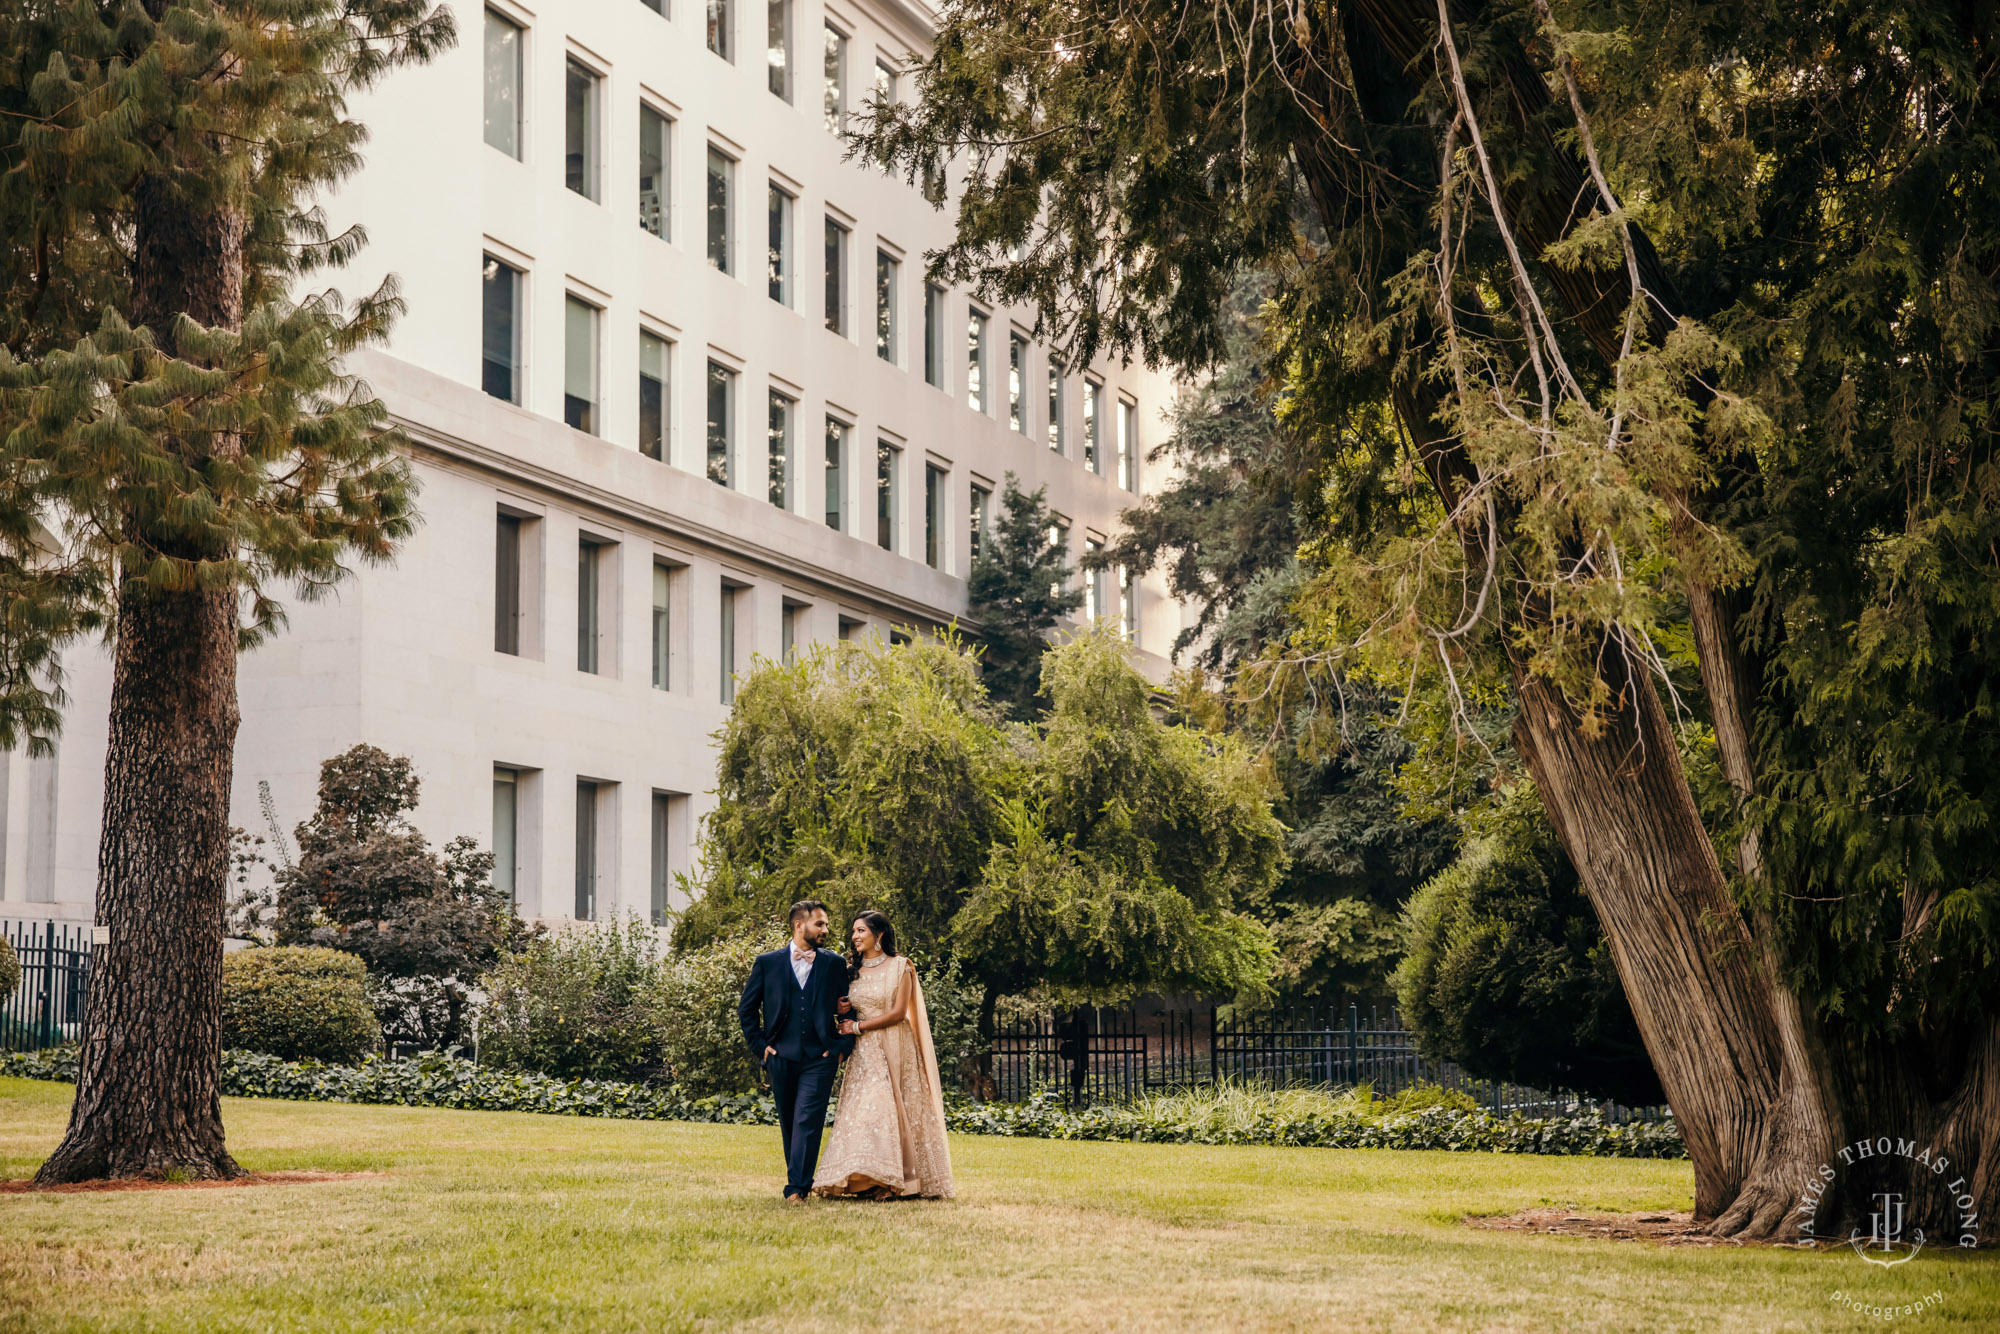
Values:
[(888, 1132)]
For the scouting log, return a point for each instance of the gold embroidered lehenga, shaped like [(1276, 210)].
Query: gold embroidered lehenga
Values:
[(888, 1130)]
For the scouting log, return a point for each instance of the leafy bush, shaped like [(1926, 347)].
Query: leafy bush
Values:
[(1313, 1121), (1508, 974), (10, 968), (691, 1003), (297, 1003), (367, 881), (573, 1004)]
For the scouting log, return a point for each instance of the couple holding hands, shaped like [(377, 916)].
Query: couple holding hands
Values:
[(804, 1011)]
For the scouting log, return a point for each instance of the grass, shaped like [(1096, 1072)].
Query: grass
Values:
[(488, 1220)]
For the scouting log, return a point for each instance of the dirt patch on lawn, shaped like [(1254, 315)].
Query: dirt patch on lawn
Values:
[(143, 1183), (1667, 1229)]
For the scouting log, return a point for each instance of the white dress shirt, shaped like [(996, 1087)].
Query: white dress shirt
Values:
[(802, 966)]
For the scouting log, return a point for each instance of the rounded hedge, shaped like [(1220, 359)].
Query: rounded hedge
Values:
[(10, 968), (297, 1003)]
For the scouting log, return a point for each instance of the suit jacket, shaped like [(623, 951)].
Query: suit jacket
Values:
[(774, 1012)]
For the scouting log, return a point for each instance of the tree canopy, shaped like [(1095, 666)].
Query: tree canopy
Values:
[(1099, 853), (1647, 352)]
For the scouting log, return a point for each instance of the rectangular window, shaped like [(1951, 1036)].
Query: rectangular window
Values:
[(1059, 545), (937, 485), (1093, 417), (834, 61), (982, 501), (580, 85), (589, 603), (1128, 445), (836, 277), (503, 84), (788, 631), (975, 361), (506, 830), (727, 640), (934, 335), (778, 472), (580, 364), (721, 19), (655, 173), (721, 173), (1017, 383), (887, 274), (1128, 606), (662, 877), (658, 7), (507, 585), (888, 463), (778, 48), (663, 628), (836, 475), (885, 85), (586, 850), (655, 403), (500, 329), (721, 422), (778, 246), (1056, 441), (1094, 604)]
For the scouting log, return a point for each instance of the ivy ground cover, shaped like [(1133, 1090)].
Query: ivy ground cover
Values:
[(476, 1220)]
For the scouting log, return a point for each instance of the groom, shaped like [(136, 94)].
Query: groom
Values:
[(790, 1014)]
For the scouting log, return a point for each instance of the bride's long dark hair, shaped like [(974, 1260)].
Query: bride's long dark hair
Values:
[(885, 936)]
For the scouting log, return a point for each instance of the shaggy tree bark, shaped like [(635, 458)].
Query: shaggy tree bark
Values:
[(147, 1102), (1764, 1090)]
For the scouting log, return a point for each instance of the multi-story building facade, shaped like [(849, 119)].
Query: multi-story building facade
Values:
[(678, 395)]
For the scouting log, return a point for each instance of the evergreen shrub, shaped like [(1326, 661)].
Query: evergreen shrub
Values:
[(297, 1003), (1507, 972), (10, 968)]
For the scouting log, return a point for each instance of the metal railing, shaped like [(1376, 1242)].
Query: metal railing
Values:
[(46, 1009), (1118, 1055)]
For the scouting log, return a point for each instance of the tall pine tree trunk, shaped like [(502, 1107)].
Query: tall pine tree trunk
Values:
[(147, 1099)]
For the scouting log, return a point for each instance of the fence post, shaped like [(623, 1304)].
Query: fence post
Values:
[(1353, 1044), (48, 983), (1212, 1063)]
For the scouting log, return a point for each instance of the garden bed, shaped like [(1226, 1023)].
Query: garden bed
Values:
[(436, 1080)]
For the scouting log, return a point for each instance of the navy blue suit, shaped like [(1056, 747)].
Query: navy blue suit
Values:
[(803, 1025)]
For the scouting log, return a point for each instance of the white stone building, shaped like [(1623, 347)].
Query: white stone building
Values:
[(679, 395)]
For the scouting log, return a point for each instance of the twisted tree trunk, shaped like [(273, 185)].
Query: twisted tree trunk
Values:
[(147, 1101), (1769, 1096)]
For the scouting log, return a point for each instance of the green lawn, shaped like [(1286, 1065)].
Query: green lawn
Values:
[(487, 1220)]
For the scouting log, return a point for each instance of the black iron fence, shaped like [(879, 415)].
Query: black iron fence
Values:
[(1096, 1055), (46, 1009)]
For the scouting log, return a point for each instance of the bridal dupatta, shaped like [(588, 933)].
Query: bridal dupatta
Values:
[(888, 1131)]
